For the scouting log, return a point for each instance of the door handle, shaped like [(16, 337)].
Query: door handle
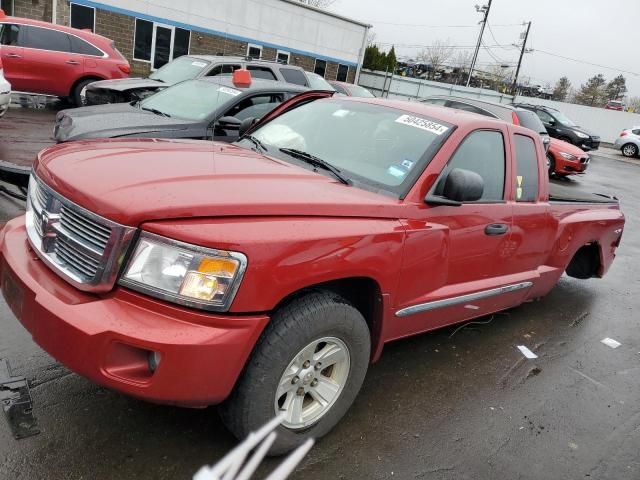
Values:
[(72, 62), (496, 229), (12, 55)]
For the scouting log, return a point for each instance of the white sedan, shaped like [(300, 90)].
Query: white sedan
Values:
[(5, 93)]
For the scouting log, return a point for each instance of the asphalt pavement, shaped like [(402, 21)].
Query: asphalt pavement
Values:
[(459, 403)]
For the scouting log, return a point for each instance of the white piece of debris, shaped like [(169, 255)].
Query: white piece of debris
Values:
[(610, 342), (526, 352)]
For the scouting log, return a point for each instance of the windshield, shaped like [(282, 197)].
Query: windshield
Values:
[(358, 91), (381, 147), (562, 118), (191, 100), (181, 69), (316, 82)]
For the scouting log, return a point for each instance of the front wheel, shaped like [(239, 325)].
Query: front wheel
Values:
[(309, 363), (630, 150), (551, 164)]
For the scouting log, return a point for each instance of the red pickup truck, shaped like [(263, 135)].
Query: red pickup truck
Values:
[(266, 275)]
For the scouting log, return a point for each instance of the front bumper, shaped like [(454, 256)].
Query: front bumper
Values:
[(110, 339), (589, 144)]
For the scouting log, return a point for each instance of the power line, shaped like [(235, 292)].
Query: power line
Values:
[(494, 37), (441, 26), (587, 63)]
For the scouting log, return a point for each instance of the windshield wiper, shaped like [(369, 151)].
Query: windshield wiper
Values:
[(316, 162), (259, 145), (156, 111)]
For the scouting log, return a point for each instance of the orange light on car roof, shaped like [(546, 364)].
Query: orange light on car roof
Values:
[(242, 78), (2, 14)]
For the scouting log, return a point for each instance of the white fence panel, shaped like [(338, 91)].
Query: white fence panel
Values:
[(606, 123)]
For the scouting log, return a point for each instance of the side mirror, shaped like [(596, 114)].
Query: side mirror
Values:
[(246, 125), (552, 122), (459, 186), (228, 123)]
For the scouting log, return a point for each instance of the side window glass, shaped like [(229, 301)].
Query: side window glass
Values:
[(46, 39), (261, 72), (80, 46), (526, 169), (257, 106), (435, 101), (636, 131), (544, 116), (9, 34), (481, 152), (226, 69), (291, 75), (340, 89)]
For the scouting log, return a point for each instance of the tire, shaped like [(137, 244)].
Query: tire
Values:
[(551, 164), (77, 96), (629, 150), (319, 316)]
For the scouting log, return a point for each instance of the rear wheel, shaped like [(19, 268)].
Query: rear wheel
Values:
[(79, 96), (630, 150), (309, 363)]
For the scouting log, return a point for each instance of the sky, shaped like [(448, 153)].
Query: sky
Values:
[(603, 33)]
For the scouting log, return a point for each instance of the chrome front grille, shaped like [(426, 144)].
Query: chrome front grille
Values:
[(83, 248)]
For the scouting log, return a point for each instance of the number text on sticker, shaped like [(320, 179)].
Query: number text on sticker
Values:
[(423, 124)]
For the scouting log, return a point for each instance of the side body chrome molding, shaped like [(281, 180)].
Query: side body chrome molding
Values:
[(449, 302)]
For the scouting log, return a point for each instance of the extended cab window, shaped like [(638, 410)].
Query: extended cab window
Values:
[(46, 39), (526, 169), (225, 69), (481, 152)]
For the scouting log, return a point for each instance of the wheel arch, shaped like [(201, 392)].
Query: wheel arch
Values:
[(364, 293), (93, 77), (586, 262)]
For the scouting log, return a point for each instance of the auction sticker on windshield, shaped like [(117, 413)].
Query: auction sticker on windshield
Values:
[(229, 91), (199, 64), (422, 123)]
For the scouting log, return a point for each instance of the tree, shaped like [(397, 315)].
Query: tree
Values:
[(462, 64), (375, 59), (593, 92), (391, 59), (616, 88), (634, 104), (436, 55), (561, 89), (318, 3)]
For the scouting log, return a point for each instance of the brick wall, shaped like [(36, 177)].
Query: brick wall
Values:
[(33, 9), (120, 28)]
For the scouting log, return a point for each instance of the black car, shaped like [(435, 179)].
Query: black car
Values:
[(206, 108), (561, 127), (508, 113), (188, 67)]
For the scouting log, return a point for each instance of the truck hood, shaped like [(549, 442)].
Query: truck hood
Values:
[(114, 120), (126, 84), (133, 181)]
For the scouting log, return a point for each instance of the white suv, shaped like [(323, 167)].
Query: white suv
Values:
[(5, 93)]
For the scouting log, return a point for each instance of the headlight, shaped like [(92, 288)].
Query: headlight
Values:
[(582, 135), (568, 156), (183, 273)]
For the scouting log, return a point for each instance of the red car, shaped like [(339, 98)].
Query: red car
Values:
[(564, 158), (44, 58), (268, 273)]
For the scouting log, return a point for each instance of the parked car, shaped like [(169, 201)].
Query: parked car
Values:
[(44, 58), (563, 128), (189, 67), (351, 90), (204, 108), (317, 82), (507, 113), (629, 142), (614, 105), (268, 273), (5, 92), (566, 159)]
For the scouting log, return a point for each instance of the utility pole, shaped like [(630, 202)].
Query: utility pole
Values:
[(514, 87), (484, 9)]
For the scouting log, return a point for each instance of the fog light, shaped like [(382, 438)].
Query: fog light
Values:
[(154, 360)]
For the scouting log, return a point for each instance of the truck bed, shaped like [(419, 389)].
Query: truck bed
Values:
[(575, 193)]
